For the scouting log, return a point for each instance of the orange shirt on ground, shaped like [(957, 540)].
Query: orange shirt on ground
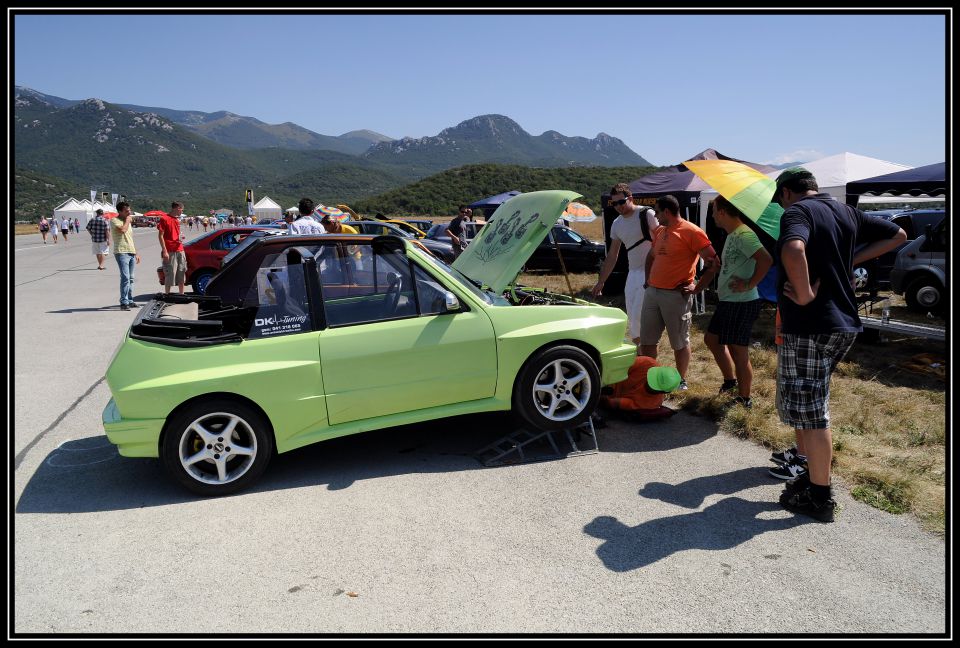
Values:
[(631, 394), (675, 250)]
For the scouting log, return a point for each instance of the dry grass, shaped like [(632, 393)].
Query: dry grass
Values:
[(20, 229), (888, 423)]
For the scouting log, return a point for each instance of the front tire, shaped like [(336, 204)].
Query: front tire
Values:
[(557, 388), (217, 447), (925, 294)]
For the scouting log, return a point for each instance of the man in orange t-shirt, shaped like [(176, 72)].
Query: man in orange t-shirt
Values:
[(671, 282)]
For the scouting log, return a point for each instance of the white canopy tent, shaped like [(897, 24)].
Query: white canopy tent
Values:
[(832, 174), (266, 208), (72, 209)]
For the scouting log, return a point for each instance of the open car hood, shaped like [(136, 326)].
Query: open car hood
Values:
[(495, 257)]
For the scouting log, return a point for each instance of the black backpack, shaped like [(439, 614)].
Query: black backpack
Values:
[(644, 228)]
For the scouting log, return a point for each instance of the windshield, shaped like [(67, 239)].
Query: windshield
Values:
[(244, 244), (468, 283)]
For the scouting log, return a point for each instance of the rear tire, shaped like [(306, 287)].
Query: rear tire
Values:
[(557, 388), (200, 281), (217, 447)]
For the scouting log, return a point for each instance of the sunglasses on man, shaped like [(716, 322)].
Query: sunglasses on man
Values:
[(617, 203)]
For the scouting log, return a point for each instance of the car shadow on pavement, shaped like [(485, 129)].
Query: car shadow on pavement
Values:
[(622, 435), (88, 475), (627, 548)]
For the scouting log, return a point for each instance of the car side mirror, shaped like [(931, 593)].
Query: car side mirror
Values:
[(451, 302)]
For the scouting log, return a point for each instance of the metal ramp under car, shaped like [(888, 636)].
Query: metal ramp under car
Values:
[(524, 446)]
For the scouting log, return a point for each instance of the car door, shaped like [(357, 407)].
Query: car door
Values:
[(390, 345), (576, 254)]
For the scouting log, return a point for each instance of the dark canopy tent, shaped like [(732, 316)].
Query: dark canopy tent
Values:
[(682, 184), (490, 204), (929, 180)]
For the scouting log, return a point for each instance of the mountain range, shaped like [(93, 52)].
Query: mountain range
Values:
[(145, 151)]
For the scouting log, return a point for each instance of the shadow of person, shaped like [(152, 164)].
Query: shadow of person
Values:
[(627, 548), (691, 493)]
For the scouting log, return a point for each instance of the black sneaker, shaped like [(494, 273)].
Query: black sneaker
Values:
[(802, 501), (134, 304), (789, 471), (798, 484), (683, 385), (124, 307), (743, 400), (787, 456), (728, 385)]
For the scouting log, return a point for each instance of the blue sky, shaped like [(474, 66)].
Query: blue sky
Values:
[(765, 88)]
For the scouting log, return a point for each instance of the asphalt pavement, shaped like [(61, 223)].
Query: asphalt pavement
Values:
[(671, 527)]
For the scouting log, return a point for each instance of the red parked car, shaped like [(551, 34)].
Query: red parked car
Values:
[(205, 251)]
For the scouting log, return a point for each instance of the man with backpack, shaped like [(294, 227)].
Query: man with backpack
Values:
[(631, 229)]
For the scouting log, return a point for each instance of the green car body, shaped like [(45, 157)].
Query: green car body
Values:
[(327, 382)]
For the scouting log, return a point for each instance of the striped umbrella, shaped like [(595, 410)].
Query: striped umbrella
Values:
[(332, 212), (747, 189)]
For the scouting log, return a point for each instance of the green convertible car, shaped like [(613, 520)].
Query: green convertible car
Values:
[(300, 339)]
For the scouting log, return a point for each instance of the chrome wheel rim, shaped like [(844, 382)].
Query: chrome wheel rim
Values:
[(562, 390), (218, 448)]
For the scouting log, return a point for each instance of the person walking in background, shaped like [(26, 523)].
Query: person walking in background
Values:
[(55, 228), (98, 228), (124, 251), (172, 255), (670, 273), (76, 225), (631, 230), (744, 264), (44, 227), (818, 311), (65, 228)]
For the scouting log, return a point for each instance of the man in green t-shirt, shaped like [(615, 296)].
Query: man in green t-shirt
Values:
[(744, 263)]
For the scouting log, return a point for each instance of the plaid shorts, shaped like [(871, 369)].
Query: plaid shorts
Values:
[(804, 366), (732, 322)]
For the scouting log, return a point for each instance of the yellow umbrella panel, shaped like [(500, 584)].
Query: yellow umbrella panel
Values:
[(747, 189)]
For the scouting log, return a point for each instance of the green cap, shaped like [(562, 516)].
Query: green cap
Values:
[(793, 173), (663, 379)]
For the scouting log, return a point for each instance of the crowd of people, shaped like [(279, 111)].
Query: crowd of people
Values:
[(817, 309)]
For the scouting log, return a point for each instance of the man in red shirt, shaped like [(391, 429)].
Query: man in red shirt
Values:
[(171, 248)]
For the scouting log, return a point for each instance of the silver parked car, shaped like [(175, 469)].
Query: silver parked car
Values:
[(919, 272)]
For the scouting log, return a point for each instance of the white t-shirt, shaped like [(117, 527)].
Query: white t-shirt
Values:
[(305, 225), (628, 231)]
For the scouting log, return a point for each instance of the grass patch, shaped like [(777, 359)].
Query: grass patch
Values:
[(888, 423)]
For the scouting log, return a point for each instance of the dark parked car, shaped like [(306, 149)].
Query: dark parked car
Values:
[(439, 249), (874, 275), (579, 254)]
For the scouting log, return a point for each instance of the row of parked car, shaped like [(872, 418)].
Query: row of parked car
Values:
[(207, 253)]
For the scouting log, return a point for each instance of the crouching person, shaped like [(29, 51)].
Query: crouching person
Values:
[(641, 395)]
